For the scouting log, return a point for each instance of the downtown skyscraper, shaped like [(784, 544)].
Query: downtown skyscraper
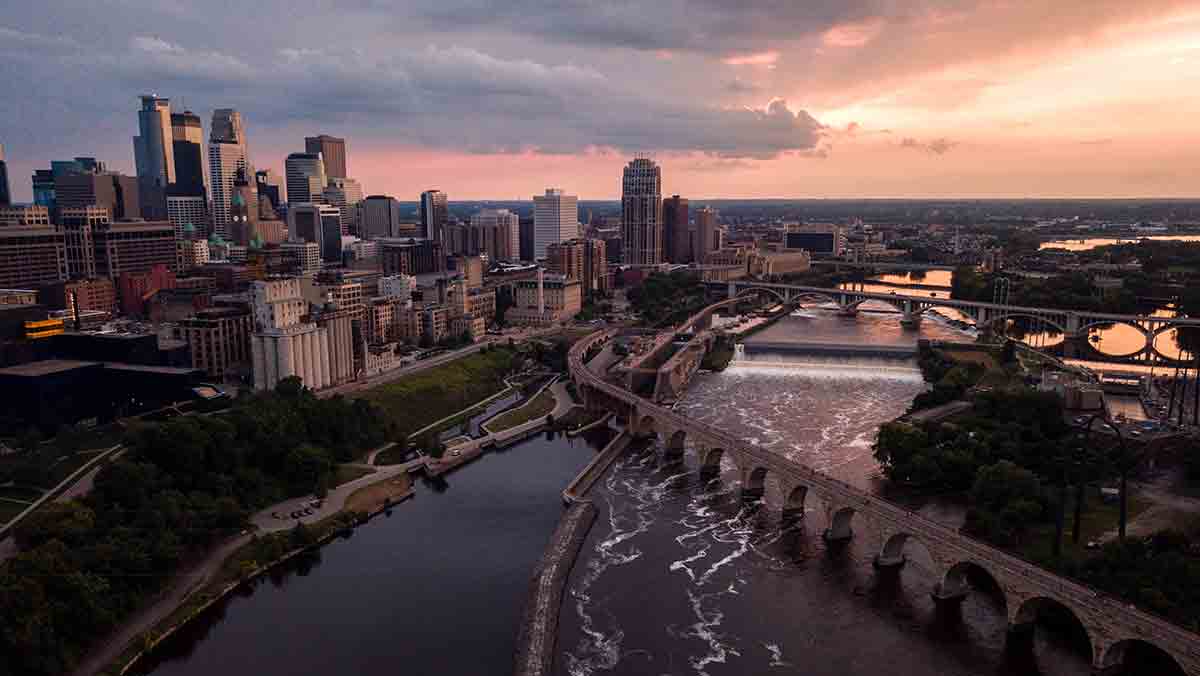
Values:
[(5, 195), (306, 178), (226, 155), (332, 150), (435, 212), (555, 220), (154, 155), (641, 213)]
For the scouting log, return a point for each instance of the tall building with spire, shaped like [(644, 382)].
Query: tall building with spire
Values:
[(154, 155), (641, 213), (226, 155)]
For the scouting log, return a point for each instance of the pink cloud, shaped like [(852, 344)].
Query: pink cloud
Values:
[(854, 34), (768, 59)]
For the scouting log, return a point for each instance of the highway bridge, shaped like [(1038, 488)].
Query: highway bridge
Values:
[(1071, 323), (1112, 626)]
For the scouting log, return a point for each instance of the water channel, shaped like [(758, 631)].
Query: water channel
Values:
[(680, 577), (436, 587)]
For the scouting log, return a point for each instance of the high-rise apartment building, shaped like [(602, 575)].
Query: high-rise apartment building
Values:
[(709, 236), (677, 232), (306, 177), (5, 194), (380, 217), (226, 155), (154, 155), (435, 212), (641, 213), (345, 194), (27, 215), (582, 260), (555, 219), (332, 149), (97, 246), (490, 232), (191, 173)]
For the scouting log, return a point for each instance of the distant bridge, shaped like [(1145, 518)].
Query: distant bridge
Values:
[(1071, 323), (903, 267), (1112, 626)]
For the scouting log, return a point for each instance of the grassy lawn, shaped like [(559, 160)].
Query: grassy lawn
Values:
[(1098, 518), (23, 493), (419, 399), (347, 473), (538, 408)]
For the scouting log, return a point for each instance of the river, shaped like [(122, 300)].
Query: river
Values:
[(679, 577), (437, 587), (1088, 243)]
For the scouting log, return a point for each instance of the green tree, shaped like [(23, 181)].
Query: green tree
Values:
[(1005, 501)]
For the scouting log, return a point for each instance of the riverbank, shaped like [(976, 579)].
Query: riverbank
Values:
[(539, 627), (241, 566)]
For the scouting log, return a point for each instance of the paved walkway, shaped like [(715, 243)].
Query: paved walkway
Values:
[(333, 503)]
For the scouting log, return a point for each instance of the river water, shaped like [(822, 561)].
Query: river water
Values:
[(680, 577), (437, 587)]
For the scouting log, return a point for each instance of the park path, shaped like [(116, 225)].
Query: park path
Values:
[(200, 572)]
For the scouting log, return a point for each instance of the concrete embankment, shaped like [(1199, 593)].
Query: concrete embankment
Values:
[(539, 627), (587, 477)]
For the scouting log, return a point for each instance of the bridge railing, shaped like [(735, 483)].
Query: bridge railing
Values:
[(1013, 565)]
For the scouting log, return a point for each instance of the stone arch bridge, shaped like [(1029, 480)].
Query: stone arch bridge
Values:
[(1071, 323), (1112, 626)]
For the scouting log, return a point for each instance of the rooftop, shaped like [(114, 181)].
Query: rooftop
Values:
[(35, 369)]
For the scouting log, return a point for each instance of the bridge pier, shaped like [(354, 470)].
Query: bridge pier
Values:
[(911, 320), (889, 562), (952, 595), (848, 311)]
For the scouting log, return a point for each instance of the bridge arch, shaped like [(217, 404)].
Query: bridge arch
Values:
[(761, 289), (710, 460), (1005, 316), (647, 426), (841, 521), (892, 551), (1136, 656), (1147, 333), (809, 296), (675, 444), (755, 484), (794, 500), (964, 576), (1059, 615)]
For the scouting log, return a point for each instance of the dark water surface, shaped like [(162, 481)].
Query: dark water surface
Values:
[(438, 587)]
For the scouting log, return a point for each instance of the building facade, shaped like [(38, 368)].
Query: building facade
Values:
[(379, 217), (555, 219), (641, 213), (332, 150), (545, 299), (219, 339), (227, 155), (306, 179), (435, 213), (709, 236), (677, 231), (154, 155)]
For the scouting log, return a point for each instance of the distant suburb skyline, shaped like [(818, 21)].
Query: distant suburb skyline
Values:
[(754, 99)]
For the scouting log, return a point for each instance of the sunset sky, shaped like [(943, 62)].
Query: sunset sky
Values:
[(757, 98)]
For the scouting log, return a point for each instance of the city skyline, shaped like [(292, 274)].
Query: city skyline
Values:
[(830, 100)]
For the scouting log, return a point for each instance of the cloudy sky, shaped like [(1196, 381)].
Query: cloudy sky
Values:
[(754, 98)]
